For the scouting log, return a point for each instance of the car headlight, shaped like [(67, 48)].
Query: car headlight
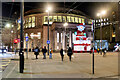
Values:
[(0, 50)]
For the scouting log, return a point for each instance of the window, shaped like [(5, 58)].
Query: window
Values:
[(45, 18), (80, 20), (50, 18), (30, 22), (96, 20), (104, 19), (64, 19), (68, 19), (72, 19), (76, 19), (83, 21), (61, 37), (33, 21), (55, 18), (59, 19), (27, 23), (57, 37), (39, 35)]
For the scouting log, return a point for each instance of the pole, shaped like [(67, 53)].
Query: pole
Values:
[(21, 53), (27, 50), (93, 49), (101, 35), (48, 32)]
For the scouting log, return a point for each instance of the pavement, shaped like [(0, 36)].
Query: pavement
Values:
[(79, 67)]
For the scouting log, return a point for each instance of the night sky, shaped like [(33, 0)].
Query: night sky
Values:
[(89, 8)]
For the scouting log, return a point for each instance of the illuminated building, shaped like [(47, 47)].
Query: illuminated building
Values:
[(36, 28)]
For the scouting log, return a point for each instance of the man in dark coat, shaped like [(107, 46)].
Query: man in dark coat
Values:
[(69, 53), (36, 52), (44, 50), (61, 53)]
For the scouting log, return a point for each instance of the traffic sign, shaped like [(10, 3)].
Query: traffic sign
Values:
[(48, 41), (26, 38)]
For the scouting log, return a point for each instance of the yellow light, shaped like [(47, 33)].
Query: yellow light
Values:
[(49, 8), (103, 12), (46, 10), (66, 24), (8, 25), (98, 14)]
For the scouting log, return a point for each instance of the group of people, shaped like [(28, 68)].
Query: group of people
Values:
[(44, 50), (37, 50), (69, 53), (99, 51)]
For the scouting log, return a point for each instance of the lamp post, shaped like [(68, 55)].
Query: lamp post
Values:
[(21, 53), (100, 16), (9, 26), (48, 10), (65, 24)]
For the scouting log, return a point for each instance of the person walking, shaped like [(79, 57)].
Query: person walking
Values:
[(98, 50), (69, 53), (104, 52), (51, 51), (36, 52), (62, 55), (44, 52)]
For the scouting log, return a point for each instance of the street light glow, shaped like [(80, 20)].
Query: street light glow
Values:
[(66, 24), (48, 9), (103, 12), (8, 25), (98, 14)]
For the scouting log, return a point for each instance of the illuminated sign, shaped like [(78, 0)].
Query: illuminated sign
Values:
[(81, 28), (81, 42)]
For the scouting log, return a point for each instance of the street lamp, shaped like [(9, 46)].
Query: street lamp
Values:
[(100, 15), (8, 25), (65, 24), (48, 10)]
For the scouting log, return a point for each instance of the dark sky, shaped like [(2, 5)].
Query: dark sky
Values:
[(89, 8)]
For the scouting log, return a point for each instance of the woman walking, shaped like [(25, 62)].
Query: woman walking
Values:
[(61, 53), (69, 53), (36, 51), (44, 50)]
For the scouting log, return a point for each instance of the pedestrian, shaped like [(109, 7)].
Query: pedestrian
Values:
[(44, 52), (104, 52), (36, 51), (51, 51), (69, 53), (98, 50), (62, 55), (91, 50)]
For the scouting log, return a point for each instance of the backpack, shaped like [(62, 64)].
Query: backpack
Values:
[(36, 50)]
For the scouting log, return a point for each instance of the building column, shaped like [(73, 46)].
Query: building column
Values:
[(55, 40), (63, 40), (70, 39)]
